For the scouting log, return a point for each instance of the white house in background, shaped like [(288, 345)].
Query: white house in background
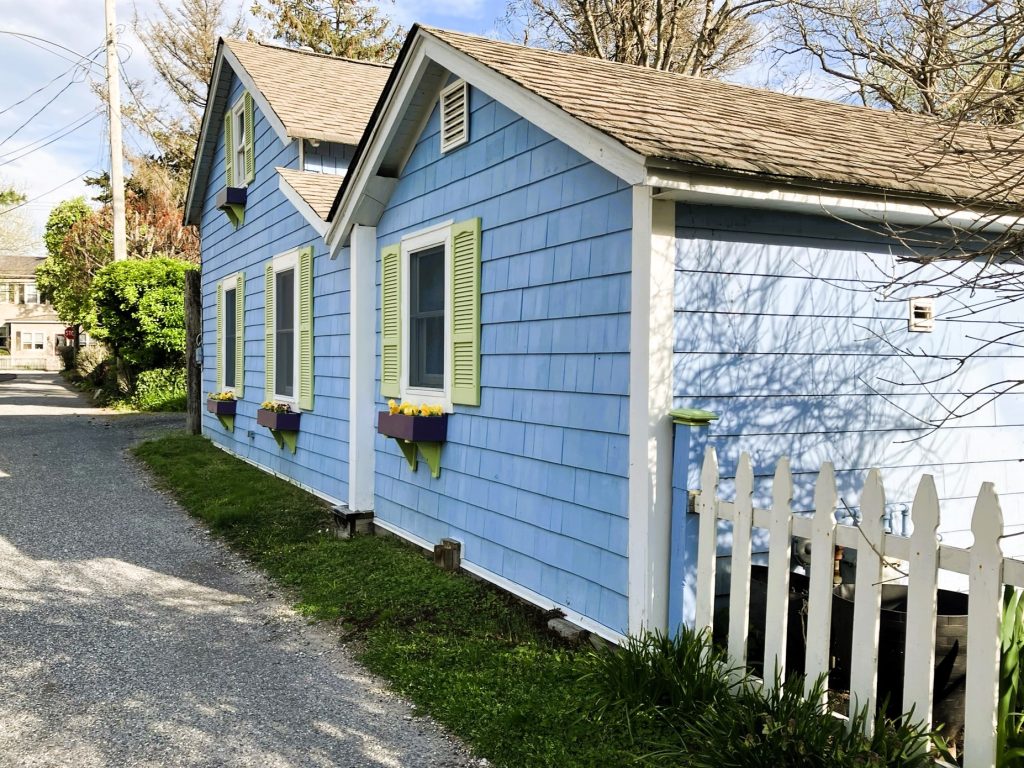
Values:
[(30, 331)]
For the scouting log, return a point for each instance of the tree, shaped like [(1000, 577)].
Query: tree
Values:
[(349, 28), (954, 59), (63, 277), (707, 39), (182, 44), (15, 230), (140, 312)]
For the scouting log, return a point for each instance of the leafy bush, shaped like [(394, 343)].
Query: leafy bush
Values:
[(161, 389), (139, 310), (91, 364), (67, 358), (1010, 719)]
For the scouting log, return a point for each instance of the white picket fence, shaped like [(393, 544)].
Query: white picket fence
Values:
[(983, 563)]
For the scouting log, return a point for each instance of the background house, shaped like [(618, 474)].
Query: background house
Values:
[(30, 330)]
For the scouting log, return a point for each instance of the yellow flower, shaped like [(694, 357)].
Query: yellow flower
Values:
[(392, 406), (426, 410)]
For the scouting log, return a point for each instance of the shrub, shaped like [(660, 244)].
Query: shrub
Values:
[(91, 363), (161, 389), (67, 358)]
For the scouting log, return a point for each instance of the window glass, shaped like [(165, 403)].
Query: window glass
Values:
[(40, 340), (426, 313), (239, 138), (230, 334), (284, 307), (6, 293), (31, 294)]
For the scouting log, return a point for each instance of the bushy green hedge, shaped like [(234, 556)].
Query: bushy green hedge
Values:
[(160, 389)]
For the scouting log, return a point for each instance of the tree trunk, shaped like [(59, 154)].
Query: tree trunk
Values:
[(193, 340)]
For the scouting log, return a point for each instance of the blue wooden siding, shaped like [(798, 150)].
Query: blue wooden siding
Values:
[(533, 481), (780, 330), (328, 157), (272, 227)]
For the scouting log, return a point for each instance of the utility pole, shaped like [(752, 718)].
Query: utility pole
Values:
[(116, 152)]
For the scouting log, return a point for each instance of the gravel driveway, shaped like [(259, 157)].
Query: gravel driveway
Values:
[(129, 637)]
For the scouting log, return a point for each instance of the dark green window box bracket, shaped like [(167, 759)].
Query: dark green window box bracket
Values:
[(283, 426), (692, 417), (232, 201), (416, 436), (224, 410)]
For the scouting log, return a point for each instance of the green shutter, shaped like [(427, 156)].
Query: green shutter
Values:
[(268, 362), (250, 140), (229, 153), (220, 337), (465, 288), (391, 321), (239, 349), (306, 329)]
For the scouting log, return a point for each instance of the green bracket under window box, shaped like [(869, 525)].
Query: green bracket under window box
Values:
[(224, 410), (283, 425), (232, 200), (416, 435), (693, 417)]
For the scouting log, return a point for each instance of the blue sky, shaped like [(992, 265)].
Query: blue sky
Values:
[(45, 155)]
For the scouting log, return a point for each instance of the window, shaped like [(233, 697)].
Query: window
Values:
[(430, 316), (230, 336), (454, 116), (239, 143), (3, 337), (284, 324), (289, 329), (31, 341), (230, 333), (31, 294), (922, 315), (426, 318), (6, 293)]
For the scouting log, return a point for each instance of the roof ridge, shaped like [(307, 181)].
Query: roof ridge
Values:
[(726, 85), (316, 54)]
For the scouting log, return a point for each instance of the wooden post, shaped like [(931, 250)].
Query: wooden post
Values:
[(193, 338)]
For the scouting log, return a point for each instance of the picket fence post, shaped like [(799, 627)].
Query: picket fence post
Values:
[(819, 592), (867, 603), (707, 541), (739, 582), (922, 605), (780, 550)]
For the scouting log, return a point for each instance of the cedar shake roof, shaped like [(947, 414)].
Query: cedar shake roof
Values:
[(692, 123), (317, 189), (315, 96), (19, 266)]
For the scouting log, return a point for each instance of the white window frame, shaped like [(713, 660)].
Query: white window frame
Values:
[(31, 286), (227, 284), (238, 137), (283, 263), (439, 234), (458, 141)]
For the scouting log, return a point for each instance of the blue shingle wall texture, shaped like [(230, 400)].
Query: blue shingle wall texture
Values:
[(534, 481)]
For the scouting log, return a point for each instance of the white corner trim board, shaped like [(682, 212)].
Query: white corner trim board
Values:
[(362, 383), (650, 426)]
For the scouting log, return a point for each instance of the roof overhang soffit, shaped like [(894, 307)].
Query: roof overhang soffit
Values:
[(213, 117), (408, 105), (848, 205)]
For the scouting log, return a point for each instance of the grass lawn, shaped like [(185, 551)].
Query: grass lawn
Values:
[(470, 656)]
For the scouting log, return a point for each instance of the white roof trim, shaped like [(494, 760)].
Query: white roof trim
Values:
[(588, 141), (301, 205), (878, 209)]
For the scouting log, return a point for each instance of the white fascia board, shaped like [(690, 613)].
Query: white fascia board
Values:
[(203, 133), (257, 96), (651, 337), (589, 142), (381, 133), (877, 209), (596, 146), (302, 206)]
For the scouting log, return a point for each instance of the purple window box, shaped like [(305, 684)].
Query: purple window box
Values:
[(284, 422), (221, 407), (415, 429)]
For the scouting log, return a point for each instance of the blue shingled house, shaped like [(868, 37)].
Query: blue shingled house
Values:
[(557, 252)]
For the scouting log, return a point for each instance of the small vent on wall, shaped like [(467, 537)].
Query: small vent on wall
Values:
[(454, 116), (922, 315)]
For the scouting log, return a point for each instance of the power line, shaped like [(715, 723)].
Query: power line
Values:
[(43, 87), (44, 194), (34, 40), (91, 113), (9, 159)]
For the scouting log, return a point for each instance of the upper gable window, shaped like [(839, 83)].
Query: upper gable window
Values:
[(454, 116), (239, 143)]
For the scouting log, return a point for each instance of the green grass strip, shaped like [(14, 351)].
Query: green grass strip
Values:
[(471, 656)]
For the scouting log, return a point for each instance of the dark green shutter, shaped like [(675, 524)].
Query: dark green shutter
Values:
[(250, 140), (269, 359), (220, 337), (306, 329), (229, 152), (465, 288), (391, 321), (239, 350)]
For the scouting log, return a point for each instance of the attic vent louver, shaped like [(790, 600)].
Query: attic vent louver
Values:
[(922, 315), (454, 116)]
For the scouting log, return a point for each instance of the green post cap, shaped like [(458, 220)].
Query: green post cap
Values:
[(693, 417)]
